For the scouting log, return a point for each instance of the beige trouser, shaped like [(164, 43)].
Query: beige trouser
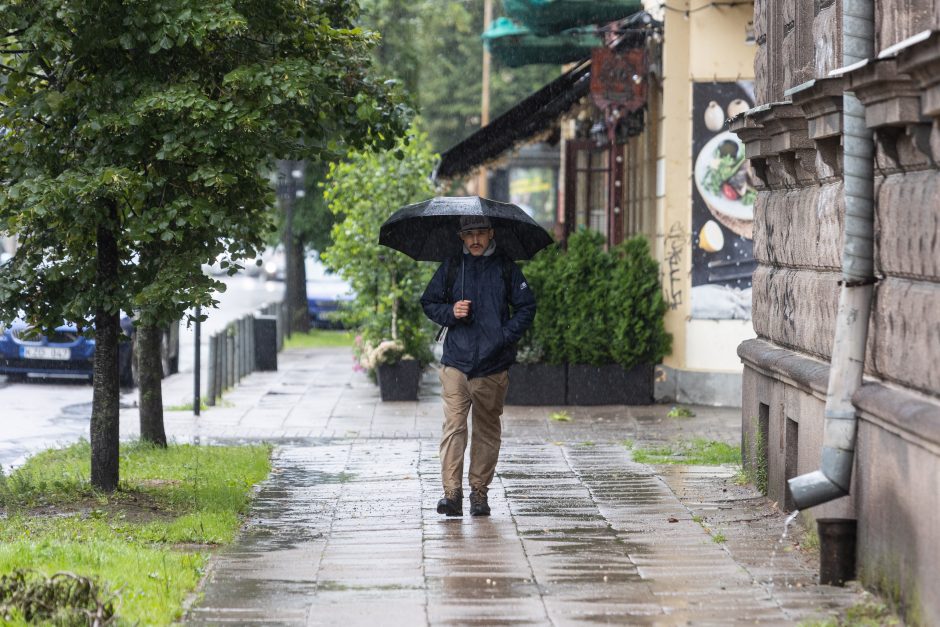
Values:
[(485, 395)]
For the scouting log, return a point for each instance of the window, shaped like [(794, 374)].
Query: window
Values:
[(587, 186), (533, 189)]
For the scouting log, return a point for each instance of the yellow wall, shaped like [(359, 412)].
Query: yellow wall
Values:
[(708, 44), (718, 48)]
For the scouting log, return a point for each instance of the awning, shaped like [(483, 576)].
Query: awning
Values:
[(545, 17), (529, 117), (515, 45)]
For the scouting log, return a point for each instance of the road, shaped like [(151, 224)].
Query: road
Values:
[(43, 413)]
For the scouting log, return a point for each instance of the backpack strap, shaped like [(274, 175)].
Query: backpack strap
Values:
[(505, 268), (450, 279)]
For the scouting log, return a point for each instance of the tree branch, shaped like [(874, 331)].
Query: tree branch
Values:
[(13, 69), (48, 70), (257, 41)]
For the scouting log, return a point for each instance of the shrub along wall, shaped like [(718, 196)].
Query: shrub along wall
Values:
[(599, 317), (596, 307)]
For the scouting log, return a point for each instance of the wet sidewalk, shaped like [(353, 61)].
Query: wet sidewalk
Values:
[(345, 530)]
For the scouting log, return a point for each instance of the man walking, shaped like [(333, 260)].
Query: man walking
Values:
[(482, 299)]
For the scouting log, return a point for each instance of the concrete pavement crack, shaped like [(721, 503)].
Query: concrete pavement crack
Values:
[(525, 553), (594, 501), (336, 507), (424, 536)]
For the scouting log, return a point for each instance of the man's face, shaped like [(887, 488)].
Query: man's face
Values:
[(476, 240)]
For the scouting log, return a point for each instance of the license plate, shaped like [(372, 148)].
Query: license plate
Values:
[(46, 352)]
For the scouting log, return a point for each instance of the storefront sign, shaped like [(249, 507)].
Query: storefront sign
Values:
[(618, 78)]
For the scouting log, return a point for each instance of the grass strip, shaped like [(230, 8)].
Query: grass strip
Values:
[(149, 541), (694, 452), (320, 338)]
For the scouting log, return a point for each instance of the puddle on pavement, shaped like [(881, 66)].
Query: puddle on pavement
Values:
[(306, 478), (279, 593), (265, 536), (338, 586), (79, 410)]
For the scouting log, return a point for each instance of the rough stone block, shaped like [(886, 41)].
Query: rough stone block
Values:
[(827, 33), (897, 20), (762, 81), (905, 333), (908, 216), (796, 308), (801, 228)]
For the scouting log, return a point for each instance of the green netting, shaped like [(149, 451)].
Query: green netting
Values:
[(515, 45), (545, 17)]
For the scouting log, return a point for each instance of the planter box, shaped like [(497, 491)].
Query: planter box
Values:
[(399, 381), (537, 384), (610, 385)]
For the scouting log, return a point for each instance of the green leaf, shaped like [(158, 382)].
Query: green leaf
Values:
[(165, 153)]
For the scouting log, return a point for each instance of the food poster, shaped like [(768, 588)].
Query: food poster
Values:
[(723, 197)]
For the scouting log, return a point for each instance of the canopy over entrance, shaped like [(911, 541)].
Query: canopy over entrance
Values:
[(534, 114), (546, 17)]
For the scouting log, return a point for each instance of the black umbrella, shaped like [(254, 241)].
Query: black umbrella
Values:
[(427, 231)]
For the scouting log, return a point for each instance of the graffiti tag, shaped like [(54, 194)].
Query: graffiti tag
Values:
[(674, 246)]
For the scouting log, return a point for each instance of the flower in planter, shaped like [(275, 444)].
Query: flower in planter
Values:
[(529, 351), (387, 352), (386, 312)]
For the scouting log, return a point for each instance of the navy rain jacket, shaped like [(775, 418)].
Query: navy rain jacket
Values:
[(485, 342)]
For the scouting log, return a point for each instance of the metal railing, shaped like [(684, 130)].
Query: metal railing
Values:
[(233, 352)]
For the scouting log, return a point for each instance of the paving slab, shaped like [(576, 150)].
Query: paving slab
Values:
[(345, 530)]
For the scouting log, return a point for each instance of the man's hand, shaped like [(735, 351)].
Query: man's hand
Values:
[(461, 309)]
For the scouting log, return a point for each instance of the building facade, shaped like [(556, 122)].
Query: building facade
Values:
[(703, 237), (795, 138), (662, 168)]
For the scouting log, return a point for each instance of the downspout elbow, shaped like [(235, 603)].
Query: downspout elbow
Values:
[(814, 488), (830, 482)]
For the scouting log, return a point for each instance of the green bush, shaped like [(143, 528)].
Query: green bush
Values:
[(363, 192), (596, 307), (544, 341), (637, 306)]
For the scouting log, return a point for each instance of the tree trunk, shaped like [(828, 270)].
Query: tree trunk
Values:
[(150, 373), (105, 409), (296, 288)]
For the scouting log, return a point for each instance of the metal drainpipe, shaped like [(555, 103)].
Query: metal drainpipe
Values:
[(834, 477)]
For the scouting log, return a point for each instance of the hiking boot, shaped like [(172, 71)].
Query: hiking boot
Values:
[(478, 504), (451, 504)]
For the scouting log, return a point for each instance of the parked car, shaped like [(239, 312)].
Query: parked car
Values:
[(274, 263), (68, 354), (326, 293)]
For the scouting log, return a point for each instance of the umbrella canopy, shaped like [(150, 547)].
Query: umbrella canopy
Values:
[(427, 231)]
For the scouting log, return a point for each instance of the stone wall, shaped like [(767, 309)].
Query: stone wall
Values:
[(793, 139)]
